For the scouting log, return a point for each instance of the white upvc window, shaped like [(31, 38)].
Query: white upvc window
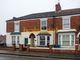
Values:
[(43, 40), (16, 26), (43, 23), (66, 39), (66, 22)]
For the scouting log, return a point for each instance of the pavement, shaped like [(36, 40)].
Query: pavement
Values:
[(39, 54)]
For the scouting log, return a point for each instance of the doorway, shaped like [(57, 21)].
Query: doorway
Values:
[(26, 41), (32, 36)]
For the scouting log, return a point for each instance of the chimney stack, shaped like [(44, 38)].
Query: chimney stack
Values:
[(58, 7)]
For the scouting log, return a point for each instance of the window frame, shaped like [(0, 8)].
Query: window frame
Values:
[(13, 40), (42, 20), (64, 22), (46, 41), (42, 40), (16, 29), (60, 39)]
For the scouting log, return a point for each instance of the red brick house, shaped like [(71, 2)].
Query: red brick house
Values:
[(59, 29)]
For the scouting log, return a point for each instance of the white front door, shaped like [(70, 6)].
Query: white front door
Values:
[(15, 40)]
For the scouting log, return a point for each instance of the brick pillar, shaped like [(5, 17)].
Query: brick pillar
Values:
[(28, 48), (50, 48), (14, 47), (76, 46), (21, 47), (56, 38)]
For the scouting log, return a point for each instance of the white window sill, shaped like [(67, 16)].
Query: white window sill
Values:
[(67, 30), (67, 48)]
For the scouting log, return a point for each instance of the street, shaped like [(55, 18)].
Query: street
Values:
[(13, 57)]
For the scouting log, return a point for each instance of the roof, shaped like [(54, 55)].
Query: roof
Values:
[(50, 14), (16, 33), (44, 33)]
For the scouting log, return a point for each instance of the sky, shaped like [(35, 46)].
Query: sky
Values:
[(17, 8)]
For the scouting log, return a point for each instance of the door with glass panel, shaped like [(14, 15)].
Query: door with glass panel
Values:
[(15, 40)]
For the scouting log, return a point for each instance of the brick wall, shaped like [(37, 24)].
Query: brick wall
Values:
[(30, 25), (10, 26), (50, 24), (75, 22), (58, 22)]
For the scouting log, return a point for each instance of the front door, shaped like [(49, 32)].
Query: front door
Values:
[(26, 41), (17, 42)]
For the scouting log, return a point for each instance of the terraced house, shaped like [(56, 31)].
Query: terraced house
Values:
[(59, 29)]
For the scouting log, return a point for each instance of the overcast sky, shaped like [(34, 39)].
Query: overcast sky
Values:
[(17, 8)]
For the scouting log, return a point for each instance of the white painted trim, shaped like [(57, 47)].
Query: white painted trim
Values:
[(68, 48), (68, 15), (70, 40), (61, 40), (45, 40), (78, 34), (16, 21), (68, 30)]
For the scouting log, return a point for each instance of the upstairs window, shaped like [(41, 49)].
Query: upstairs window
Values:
[(16, 26), (43, 24), (66, 22)]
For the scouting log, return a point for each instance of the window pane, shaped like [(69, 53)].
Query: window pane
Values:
[(48, 39), (66, 23), (59, 39), (42, 40), (42, 37), (66, 43), (43, 24), (16, 27), (72, 40), (18, 40), (66, 40)]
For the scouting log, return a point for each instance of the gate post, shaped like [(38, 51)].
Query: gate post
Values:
[(14, 47)]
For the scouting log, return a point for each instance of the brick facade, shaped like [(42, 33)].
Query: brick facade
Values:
[(75, 22), (10, 26)]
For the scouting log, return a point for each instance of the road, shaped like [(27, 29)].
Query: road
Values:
[(12, 57)]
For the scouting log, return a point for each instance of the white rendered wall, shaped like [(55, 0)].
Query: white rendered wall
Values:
[(8, 40), (26, 35)]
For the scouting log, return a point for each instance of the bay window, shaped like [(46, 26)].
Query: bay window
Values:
[(66, 39)]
